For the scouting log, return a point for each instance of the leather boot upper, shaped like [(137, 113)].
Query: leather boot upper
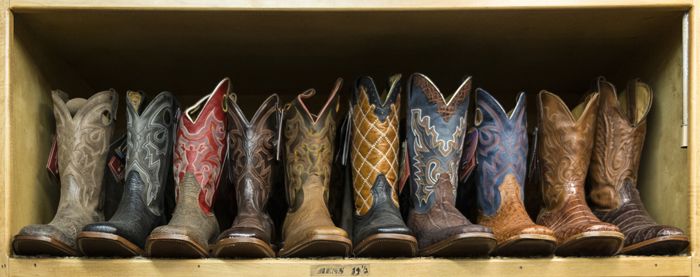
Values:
[(84, 130), (374, 159), (253, 151), (434, 139), (619, 139), (150, 138)]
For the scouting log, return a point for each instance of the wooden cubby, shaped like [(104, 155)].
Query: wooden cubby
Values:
[(288, 46)]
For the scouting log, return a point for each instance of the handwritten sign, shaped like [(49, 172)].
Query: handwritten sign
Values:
[(340, 270)]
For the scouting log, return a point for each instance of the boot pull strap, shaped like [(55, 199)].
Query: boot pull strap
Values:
[(533, 174), (345, 138), (280, 123), (632, 101)]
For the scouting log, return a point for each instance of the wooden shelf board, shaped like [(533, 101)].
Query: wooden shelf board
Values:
[(343, 4), (616, 266)]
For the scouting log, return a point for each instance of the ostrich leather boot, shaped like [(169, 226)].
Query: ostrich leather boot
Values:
[(150, 137), (83, 133), (198, 160), (565, 143), (613, 174), (435, 139), (252, 152), (378, 229), (308, 230), (500, 175)]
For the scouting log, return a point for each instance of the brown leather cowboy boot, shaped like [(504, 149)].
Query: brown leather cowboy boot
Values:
[(84, 129), (198, 160), (616, 154), (565, 143), (252, 152), (434, 142), (309, 145), (378, 229), (501, 168)]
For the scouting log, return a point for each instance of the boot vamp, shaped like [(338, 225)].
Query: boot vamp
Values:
[(574, 217), (512, 220), (250, 225), (188, 218), (384, 218), (52, 231), (441, 222), (634, 221), (311, 219)]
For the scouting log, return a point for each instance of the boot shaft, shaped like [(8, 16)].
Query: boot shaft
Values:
[(200, 146), (150, 139), (434, 140), (309, 146), (564, 146), (619, 139), (83, 133), (252, 151), (375, 142), (502, 149)]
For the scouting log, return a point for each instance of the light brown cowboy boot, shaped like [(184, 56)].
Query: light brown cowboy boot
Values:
[(613, 174), (565, 144), (308, 229), (84, 130)]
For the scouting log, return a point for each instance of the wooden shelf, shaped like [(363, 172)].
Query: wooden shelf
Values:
[(616, 266), (343, 4)]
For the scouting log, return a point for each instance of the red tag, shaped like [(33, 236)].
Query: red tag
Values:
[(116, 166), (52, 163), (404, 170)]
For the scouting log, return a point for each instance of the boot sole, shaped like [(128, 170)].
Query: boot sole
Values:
[(462, 245), (527, 245), (100, 244), (667, 245), (243, 248), (319, 246), (174, 246), (41, 245), (387, 245), (595, 243)]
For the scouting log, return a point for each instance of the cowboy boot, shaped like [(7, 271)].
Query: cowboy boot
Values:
[(435, 138), (565, 144), (618, 147), (252, 151), (501, 168), (83, 132), (198, 161), (309, 144), (150, 136), (378, 229)]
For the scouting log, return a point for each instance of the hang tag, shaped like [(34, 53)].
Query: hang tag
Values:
[(404, 170), (116, 162), (52, 163), (468, 161)]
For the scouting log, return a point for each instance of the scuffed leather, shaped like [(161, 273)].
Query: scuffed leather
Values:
[(198, 156), (252, 152), (150, 139), (434, 139), (84, 129), (309, 147), (374, 158), (501, 168), (565, 144), (617, 152)]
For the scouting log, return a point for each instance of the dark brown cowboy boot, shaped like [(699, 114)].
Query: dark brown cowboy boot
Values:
[(378, 229), (199, 155), (252, 152), (565, 144), (613, 173), (434, 139), (501, 169), (309, 146), (84, 129), (150, 135)]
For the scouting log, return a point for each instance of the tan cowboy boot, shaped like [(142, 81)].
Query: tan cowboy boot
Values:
[(309, 146), (613, 174), (565, 143), (84, 129)]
